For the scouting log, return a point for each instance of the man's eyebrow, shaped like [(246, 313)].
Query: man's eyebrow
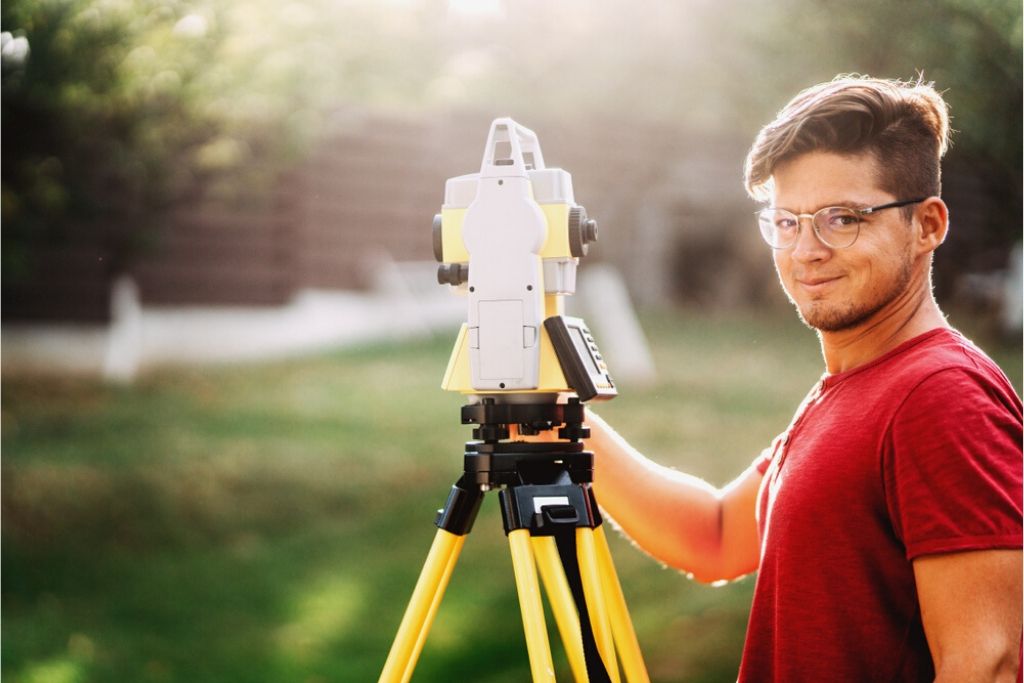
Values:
[(843, 203)]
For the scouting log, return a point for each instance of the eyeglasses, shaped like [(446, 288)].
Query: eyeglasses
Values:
[(836, 226)]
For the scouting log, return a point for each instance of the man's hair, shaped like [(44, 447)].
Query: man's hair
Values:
[(903, 125)]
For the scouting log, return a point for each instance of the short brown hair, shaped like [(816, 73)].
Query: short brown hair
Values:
[(904, 125)]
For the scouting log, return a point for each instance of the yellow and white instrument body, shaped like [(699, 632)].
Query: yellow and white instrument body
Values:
[(510, 238)]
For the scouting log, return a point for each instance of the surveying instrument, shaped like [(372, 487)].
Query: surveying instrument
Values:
[(510, 238)]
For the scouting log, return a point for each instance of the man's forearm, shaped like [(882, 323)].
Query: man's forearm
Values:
[(677, 518)]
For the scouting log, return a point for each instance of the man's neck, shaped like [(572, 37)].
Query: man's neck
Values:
[(904, 318)]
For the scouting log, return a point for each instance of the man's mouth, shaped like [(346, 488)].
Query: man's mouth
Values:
[(814, 285)]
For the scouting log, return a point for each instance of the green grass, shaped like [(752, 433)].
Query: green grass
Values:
[(267, 522)]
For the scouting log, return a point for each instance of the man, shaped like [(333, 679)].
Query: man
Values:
[(885, 522)]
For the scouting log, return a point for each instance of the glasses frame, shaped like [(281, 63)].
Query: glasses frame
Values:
[(814, 223)]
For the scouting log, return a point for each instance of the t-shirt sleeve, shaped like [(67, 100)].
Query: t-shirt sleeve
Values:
[(953, 466)]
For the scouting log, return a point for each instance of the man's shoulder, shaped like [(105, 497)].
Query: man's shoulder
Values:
[(939, 351), (939, 362), (951, 368)]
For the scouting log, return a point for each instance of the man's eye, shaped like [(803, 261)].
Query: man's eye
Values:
[(842, 219), (785, 224)]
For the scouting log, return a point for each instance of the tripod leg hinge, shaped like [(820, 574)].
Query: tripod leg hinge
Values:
[(460, 510)]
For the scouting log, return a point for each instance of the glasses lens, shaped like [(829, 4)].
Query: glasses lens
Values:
[(837, 226), (778, 227)]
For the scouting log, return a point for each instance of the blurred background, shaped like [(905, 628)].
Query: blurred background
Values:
[(223, 438)]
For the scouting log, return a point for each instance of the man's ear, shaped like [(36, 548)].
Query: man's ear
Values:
[(932, 219)]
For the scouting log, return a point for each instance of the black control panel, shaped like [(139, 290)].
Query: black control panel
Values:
[(581, 360)]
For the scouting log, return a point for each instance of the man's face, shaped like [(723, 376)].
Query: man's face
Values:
[(839, 289)]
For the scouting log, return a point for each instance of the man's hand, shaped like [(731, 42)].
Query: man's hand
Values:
[(971, 609)]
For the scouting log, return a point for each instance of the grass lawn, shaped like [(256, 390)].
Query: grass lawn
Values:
[(267, 522)]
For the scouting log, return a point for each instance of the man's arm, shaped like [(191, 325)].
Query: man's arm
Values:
[(677, 518), (971, 609)]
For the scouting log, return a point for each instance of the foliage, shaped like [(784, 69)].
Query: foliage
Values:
[(98, 126), (116, 110)]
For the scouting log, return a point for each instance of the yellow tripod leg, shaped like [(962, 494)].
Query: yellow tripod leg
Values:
[(432, 612), (562, 605), (622, 625), (541, 666), (426, 597), (594, 592)]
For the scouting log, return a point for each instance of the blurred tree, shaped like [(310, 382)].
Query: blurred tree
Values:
[(113, 111), (97, 122)]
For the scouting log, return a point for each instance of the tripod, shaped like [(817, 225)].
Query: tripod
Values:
[(553, 524)]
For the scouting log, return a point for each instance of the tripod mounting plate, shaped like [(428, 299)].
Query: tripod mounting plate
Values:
[(494, 419), (520, 463)]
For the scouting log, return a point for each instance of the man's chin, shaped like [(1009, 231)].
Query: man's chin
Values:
[(829, 319)]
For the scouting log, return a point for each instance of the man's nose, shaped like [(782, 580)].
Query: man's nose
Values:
[(808, 246)]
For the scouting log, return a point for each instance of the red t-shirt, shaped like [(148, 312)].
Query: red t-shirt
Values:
[(916, 452)]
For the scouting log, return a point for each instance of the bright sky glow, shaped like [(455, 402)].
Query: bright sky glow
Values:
[(191, 26), (479, 9)]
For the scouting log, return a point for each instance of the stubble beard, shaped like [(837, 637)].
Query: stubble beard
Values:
[(823, 317)]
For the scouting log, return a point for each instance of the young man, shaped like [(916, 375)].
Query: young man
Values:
[(885, 522)]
